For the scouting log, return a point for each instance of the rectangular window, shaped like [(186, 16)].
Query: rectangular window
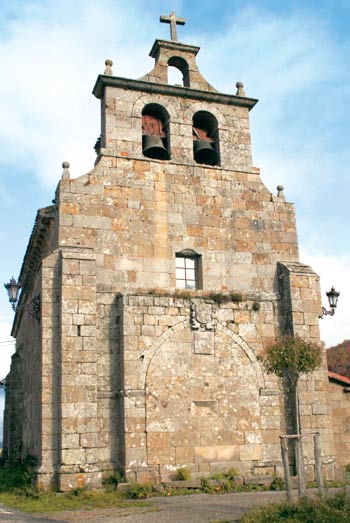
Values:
[(187, 272)]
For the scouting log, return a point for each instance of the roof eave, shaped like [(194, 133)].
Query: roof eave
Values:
[(104, 81)]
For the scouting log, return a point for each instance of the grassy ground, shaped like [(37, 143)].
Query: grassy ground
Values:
[(16, 491), (53, 502), (333, 510)]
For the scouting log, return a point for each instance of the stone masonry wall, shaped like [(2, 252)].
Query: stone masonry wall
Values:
[(13, 413), (136, 214), (301, 307), (340, 409), (126, 373), (26, 384), (194, 392), (79, 363), (50, 423)]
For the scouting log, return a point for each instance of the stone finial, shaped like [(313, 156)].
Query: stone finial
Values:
[(280, 190), (108, 69), (66, 173), (240, 89)]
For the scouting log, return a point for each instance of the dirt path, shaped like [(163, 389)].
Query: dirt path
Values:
[(198, 508)]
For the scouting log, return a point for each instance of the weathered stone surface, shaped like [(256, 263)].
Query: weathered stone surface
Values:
[(125, 372)]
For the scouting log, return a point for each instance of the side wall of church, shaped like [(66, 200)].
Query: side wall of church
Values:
[(24, 385), (340, 410)]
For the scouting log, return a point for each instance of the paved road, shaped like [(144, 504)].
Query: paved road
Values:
[(198, 508), (10, 515)]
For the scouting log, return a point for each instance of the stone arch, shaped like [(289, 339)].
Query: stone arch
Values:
[(147, 360), (201, 406), (206, 141), (147, 99), (238, 340), (181, 64), (155, 132), (203, 106), (243, 345)]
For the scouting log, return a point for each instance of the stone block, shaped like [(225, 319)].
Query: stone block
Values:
[(72, 456), (184, 455), (157, 440), (207, 453), (164, 456), (227, 453), (89, 440), (250, 452)]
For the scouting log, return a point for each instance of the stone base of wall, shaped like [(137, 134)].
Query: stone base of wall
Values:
[(198, 470), (79, 480)]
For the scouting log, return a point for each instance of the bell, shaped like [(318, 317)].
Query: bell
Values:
[(153, 147), (204, 152)]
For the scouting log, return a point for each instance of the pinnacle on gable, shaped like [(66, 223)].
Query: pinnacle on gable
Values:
[(108, 64), (280, 193), (240, 89), (66, 173)]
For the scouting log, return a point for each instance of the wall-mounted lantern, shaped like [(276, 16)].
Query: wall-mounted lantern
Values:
[(33, 308), (332, 296)]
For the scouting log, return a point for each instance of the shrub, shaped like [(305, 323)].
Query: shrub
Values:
[(140, 490), (18, 476), (183, 474), (277, 483), (206, 486), (110, 483), (218, 475), (231, 473)]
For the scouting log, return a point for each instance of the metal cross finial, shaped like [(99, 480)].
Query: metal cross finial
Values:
[(172, 20)]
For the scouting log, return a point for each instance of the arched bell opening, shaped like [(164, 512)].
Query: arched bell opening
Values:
[(155, 132), (179, 63), (205, 138)]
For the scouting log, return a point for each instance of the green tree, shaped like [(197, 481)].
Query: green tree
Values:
[(290, 357)]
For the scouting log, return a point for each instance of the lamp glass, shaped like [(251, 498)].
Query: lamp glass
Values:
[(12, 289), (333, 296)]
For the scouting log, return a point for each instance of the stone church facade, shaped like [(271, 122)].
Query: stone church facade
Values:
[(162, 274)]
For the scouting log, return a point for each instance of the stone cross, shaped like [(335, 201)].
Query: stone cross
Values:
[(172, 20)]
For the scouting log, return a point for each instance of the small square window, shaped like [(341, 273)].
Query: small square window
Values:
[(187, 273)]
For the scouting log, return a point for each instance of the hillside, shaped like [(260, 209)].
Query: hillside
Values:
[(338, 358)]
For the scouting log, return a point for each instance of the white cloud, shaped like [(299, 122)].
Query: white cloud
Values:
[(51, 62), (294, 67), (59, 48)]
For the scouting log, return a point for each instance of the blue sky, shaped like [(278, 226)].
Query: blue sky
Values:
[(292, 55)]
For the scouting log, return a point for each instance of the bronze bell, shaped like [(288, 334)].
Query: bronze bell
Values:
[(153, 147), (204, 152)]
